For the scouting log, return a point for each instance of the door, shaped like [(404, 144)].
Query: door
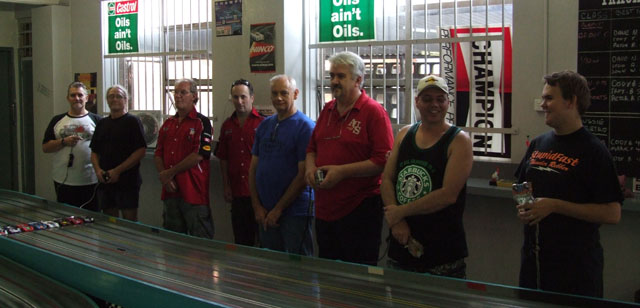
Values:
[(8, 138)]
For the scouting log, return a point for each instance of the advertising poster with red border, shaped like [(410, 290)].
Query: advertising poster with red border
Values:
[(262, 48), (482, 72), (123, 26)]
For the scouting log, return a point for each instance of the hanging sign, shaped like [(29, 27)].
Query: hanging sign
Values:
[(346, 20), (123, 26)]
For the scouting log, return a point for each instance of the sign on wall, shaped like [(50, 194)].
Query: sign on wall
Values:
[(123, 26), (483, 86), (228, 17), (346, 20), (608, 43), (262, 50)]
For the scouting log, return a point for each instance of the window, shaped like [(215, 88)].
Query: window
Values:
[(174, 38), (466, 42)]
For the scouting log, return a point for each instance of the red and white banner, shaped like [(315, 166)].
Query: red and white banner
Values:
[(482, 74)]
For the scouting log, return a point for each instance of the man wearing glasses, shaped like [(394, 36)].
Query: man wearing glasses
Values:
[(282, 202), (347, 153), (182, 160), (116, 150), (234, 151)]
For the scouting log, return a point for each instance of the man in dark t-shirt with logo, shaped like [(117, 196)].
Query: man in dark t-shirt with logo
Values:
[(576, 189)]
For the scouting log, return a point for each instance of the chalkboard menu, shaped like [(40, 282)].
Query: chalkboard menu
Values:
[(609, 57)]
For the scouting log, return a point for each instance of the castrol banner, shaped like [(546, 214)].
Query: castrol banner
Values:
[(123, 26), (482, 73), (346, 20), (262, 48)]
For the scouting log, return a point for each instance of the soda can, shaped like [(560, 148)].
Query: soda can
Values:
[(319, 176)]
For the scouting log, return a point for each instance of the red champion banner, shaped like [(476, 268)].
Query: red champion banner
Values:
[(482, 74)]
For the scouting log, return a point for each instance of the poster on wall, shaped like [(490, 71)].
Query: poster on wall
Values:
[(262, 55), (123, 26), (482, 86), (90, 81), (228, 17), (346, 20)]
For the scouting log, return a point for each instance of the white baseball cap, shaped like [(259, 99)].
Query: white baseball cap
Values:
[(432, 81)]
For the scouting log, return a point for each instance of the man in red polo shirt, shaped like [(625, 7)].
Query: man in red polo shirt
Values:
[(182, 160), (350, 145), (234, 151)]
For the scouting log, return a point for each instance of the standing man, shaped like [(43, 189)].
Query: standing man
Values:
[(424, 188), (350, 145), (68, 136), (575, 188), (182, 160), (117, 147), (282, 202), (234, 152)]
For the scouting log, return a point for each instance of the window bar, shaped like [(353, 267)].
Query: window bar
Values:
[(146, 81), (188, 29), (153, 59), (407, 68), (486, 80), (503, 79), (397, 64), (164, 42), (370, 69)]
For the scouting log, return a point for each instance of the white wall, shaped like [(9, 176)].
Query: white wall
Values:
[(86, 49), (9, 26), (51, 76), (539, 49), (231, 55)]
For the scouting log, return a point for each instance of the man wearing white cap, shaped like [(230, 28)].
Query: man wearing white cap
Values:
[(424, 187)]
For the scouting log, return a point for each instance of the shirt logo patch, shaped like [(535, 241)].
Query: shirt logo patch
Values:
[(206, 148), (354, 126), (192, 131), (413, 182)]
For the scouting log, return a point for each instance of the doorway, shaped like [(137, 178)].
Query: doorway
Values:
[(8, 121)]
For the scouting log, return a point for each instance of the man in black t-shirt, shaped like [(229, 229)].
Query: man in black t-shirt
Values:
[(575, 188), (117, 147)]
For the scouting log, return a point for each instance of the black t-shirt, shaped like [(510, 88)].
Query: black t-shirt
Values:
[(576, 168), (114, 140)]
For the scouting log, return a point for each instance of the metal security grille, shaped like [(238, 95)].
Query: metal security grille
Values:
[(466, 42), (174, 38)]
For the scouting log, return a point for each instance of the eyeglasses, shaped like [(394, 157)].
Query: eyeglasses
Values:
[(116, 96), (341, 125), (181, 93)]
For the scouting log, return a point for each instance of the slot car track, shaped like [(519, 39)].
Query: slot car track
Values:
[(135, 265), (23, 287)]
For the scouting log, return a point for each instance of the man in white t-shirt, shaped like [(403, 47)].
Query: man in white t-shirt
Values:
[(68, 136)]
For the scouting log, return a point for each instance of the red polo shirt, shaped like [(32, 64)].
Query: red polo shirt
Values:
[(234, 146), (176, 141), (362, 133)]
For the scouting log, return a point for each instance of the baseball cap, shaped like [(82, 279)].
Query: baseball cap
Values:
[(432, 81)]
